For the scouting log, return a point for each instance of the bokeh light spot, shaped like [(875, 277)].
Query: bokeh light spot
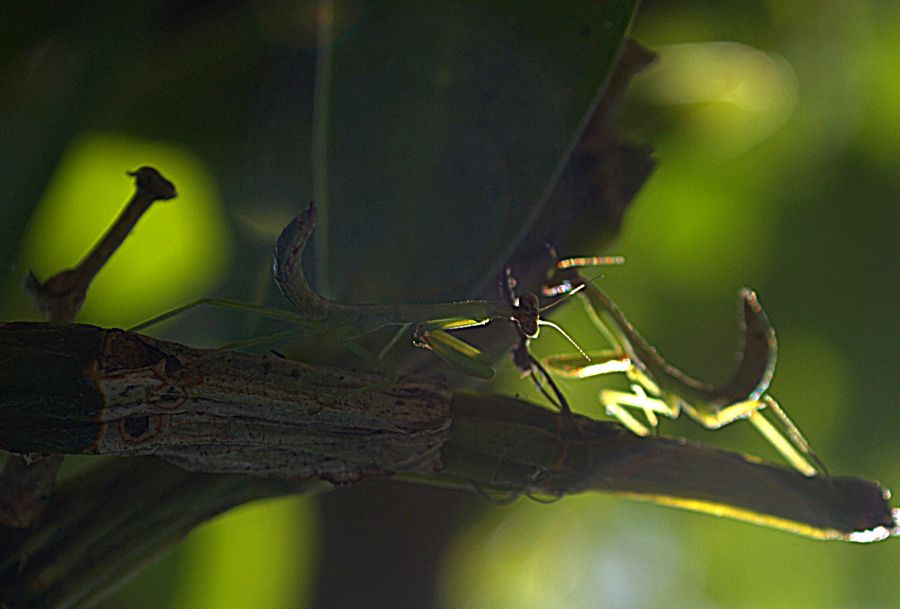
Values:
[(178, 251), (583, 552), (733, 95), (693, 229), (258, 555)]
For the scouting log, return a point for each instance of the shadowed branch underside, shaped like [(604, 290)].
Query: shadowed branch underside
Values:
[(120, 393)]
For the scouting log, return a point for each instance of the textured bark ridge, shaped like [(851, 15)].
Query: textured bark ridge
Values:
[(218, 411), (79, 389)]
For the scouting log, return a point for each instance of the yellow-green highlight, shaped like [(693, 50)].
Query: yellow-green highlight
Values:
[(258, 556), (579, 553), (179, 250), (737, 199), (732, 95)]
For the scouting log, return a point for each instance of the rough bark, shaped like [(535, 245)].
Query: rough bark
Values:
[(80, 389)]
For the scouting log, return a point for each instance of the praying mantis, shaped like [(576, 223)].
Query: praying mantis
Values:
[(432, 322), (659, 388)]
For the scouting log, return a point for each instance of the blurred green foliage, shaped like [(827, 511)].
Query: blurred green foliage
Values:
[(250, 557), (775, 127), (174, 255), (777, 134)]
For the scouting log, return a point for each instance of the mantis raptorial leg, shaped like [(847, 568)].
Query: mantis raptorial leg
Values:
[(659, 388)]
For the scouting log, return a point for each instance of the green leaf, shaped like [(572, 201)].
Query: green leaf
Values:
[(454, 119)]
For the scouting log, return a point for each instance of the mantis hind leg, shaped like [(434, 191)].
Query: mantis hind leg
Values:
[(788, 440), (609, 361), (798, 452), (605, 361), (271, 313), (616, 402), (539, 376), (302, 325)]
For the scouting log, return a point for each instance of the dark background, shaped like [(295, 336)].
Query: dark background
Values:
[(776, 130)]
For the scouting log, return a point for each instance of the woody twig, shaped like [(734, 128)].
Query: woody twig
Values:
[(61, 296), (26, 481)]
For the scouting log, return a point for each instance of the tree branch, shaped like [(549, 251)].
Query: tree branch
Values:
[(108, 523), (79, 389), (26, 482), (84, 390)]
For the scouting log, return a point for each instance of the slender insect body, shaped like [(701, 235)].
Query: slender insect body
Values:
[(657, 387), (432, 322)]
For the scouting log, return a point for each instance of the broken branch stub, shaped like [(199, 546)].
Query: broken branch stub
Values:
[(61, 296)]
